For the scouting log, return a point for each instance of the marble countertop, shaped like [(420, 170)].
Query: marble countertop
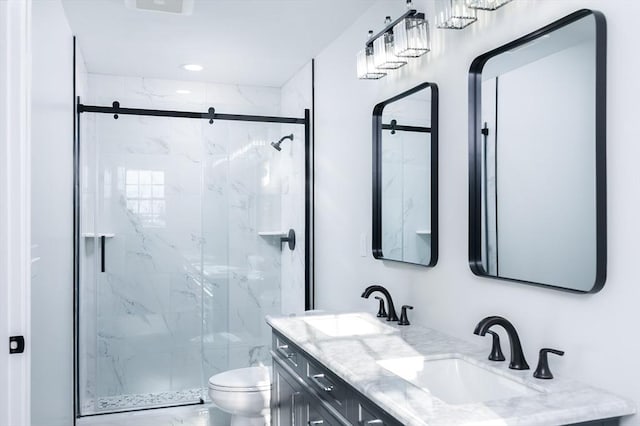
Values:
[(558, 402)]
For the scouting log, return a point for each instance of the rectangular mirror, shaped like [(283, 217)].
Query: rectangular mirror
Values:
[(405, 177), (537, 204)]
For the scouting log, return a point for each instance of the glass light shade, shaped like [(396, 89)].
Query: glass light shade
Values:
[(366, 68), (454, 14), (384, 57), (487, 4), (411, 37)]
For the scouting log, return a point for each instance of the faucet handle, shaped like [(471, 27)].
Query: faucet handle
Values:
[(542, 371), (381, 310), (403, 315), (496, 351)]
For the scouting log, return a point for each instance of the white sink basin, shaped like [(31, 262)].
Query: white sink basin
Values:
[(344, 325), (456, 381)]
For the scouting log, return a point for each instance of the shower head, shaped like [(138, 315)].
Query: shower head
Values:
[(276, 145)]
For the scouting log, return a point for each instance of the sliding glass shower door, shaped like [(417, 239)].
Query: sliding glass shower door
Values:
[(180, 252)]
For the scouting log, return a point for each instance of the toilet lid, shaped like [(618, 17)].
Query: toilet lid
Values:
[(242, 379)]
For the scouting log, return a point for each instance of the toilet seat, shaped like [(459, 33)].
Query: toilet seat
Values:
[(250, 379)]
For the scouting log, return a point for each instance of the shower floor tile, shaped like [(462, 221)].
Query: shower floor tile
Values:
[(144, 400), (195, 415)]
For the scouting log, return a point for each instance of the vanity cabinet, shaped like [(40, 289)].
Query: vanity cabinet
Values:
[(306, 393)]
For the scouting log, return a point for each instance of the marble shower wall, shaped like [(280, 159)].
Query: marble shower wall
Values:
[(188, 278)]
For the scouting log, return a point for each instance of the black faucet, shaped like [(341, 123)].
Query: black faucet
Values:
[(382, 312), (543, 372), (391, 316), (404, 320), (517, 357)]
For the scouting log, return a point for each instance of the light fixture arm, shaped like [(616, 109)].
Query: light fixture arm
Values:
[(389, 27)]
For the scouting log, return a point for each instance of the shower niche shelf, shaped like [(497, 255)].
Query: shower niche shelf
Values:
[(273, 234), (423, 232), (98, 235)]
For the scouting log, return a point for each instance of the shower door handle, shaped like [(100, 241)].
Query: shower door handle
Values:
[(102, 253)]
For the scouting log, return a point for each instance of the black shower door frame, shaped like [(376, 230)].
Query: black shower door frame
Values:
[(115, 109)]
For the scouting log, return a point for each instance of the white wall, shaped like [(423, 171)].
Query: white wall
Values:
[(598, 332), (15, 207), (52, 217)]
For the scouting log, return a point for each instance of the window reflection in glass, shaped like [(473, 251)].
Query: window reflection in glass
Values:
[(145, 196)]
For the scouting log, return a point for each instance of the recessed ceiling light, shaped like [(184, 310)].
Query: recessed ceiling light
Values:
[(193, 67), (183, 91)]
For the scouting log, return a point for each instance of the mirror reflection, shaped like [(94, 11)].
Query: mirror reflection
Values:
[(539, 159), (405, 174)]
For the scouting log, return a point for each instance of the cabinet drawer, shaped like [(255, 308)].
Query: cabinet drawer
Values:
[(319, 416), (328, 386), (368, 415), (284, 350)]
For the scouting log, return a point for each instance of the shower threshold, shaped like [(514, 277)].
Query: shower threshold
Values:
[(142, 401)]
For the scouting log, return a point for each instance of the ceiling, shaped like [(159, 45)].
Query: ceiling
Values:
[(253, 42)]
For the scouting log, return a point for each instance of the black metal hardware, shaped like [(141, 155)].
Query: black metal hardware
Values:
[(404, 320), (186, 114), (212, 113), (542, 371), (309, 292), (389, 27), (392, 316), (16, 344), (378, 126), (476, 144), (290, 239), (485, 130), (382, 312), (496, 351), (394, 126), (102, 253), (517, 356), (116, 107)]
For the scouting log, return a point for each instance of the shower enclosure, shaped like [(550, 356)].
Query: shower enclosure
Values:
[(181, 250)]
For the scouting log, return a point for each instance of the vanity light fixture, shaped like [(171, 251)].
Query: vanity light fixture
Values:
[(411, 37), (384, 56), (487, 4), (456, 14), (406, 37), (192, 67), (365, 66)]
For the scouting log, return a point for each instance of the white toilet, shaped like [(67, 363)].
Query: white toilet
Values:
[(245, 393)]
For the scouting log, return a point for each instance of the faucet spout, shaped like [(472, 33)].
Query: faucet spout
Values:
[(518, 362), (391, 316)]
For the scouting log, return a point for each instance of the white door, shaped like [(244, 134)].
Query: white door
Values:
[(15, 215)]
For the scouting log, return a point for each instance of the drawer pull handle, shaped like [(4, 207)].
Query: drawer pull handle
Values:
[(319, 378), (315, 422), (282, 349)]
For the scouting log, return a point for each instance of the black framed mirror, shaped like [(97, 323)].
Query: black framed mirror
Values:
[(405, 177), (537, 166)]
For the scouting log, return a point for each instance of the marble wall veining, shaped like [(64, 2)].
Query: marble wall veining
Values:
[(188, 278)]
